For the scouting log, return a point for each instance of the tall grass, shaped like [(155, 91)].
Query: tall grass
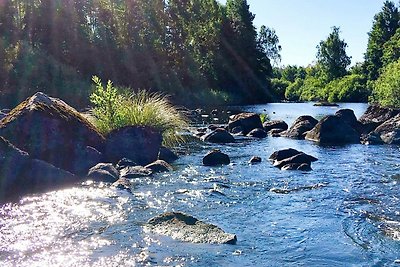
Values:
[(115, 108)]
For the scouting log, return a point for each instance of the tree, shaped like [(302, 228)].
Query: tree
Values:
[(385, 24), (269, 43), (391, 49), (332, 56)]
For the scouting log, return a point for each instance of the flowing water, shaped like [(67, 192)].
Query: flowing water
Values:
[(346, 212)]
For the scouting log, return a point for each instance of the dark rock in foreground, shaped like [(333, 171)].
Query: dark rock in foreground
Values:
[(21, 174), (247, 122), (167, 155), (137, 143), (103, 172), (219, 135), (50, 130), (333, 130), (292, 159), (215, 158), (299, 128), (377, 115), (257, 133), (159, 166), (123, 184), (186, 228), (348, 116), (278, 124)]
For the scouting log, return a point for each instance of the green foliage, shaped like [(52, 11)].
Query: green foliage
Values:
[(387, 87), (350, 88), (332, 56), (311, 89), (385, 24), (114, 108), (391, 50), (279, 87), (268, 40), (294, 90), (264, 117)]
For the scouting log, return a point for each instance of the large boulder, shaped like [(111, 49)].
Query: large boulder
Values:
[(389, 131), (21, 174), (300, 126), (333, 130), (103, 172), (283, 154), (215, 158), (49, 129), (137, 143), (186, 228), (348, 116), (374, 116), (219, 135), (246, 122), (277, 124)]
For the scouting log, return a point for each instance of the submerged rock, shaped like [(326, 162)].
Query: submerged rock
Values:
[(123, 184), (135, 172), (49, 129), (21, 174), (137, 143), (301, 125), (219, 135), (215, 158), (103, 172), (257, 133), (333, 130), (159, 166), (186, 228), (255, 160), (325, 104), (247, 122)]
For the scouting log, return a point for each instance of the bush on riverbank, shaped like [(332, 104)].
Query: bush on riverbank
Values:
[(387, 87), (115, 108)]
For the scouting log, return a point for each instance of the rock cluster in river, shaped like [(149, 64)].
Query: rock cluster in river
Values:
[(292, 159), (46, 143)]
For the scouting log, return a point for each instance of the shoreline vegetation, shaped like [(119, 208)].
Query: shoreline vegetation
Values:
[(200, 53)]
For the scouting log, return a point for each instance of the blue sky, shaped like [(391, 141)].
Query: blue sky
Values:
[(302, 24)]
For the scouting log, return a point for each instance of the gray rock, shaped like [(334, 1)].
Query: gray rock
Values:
[(135, 172), (103, 172), (277, 124), (219, 135), (297, 167), (21, 174), (50, 130), (123, 163), (238, 130), (247, 121), (299, 128), (257, 133), (215, 158), (167, 155), (123, 184), (348, 116), (186, 228), (333, 130), (292, 159), (137, 143), (255, 160), (159, 166), (389, 131)]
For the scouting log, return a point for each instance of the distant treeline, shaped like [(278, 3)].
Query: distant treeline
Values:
[(377, 79), (197, 51)]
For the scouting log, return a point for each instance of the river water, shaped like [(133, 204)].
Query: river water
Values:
[(346, 212)]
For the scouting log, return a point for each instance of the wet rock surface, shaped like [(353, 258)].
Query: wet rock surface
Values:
[(219, 135), (292, 159), (215, 158), (277, 124), (103, 172), (186, 228), (255, 160), (300, 126), (247, 122), (159, 166), (135, 172), (167, 155), (257, 133)]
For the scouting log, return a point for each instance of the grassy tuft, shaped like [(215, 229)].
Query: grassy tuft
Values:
[(115, 108)]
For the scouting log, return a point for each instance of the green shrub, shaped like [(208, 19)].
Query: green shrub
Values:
[(293, 91), (115, 108), (350, 88), (279, 87), (387, 87)]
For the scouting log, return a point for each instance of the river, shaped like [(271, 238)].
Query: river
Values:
[(346, 212)]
